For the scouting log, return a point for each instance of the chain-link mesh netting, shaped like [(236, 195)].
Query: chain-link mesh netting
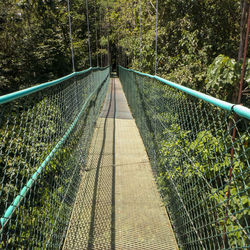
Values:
[(200, 153), (45, 138)]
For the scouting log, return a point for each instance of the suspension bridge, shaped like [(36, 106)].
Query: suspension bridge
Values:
[(85, 166), (98, 160)]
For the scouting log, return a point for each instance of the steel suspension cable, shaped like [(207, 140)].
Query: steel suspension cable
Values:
[(140, 38), (156, 35), (71, 39), (100, 35), (156, 38), (87, 16), (96, 34)]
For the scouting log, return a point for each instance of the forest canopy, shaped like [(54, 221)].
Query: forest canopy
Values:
[(200, 152), (195, 39)]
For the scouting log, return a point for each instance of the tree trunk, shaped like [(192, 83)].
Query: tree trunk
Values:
[(244, 10), (244, 5)]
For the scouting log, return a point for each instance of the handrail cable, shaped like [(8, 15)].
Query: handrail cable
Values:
[(188, 151), (16, 95), (237, 108)]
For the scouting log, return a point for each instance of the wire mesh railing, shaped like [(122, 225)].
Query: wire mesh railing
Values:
[(45, 133), (199, 150)]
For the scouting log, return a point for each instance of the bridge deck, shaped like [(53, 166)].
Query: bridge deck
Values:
[(118, 205)]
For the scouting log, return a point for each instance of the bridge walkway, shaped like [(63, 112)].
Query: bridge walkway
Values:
[(118, 205)]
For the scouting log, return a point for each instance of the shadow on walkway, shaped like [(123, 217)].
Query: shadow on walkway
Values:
[(93, 230), (92, 224)]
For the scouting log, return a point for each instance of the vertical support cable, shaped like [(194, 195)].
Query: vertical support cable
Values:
[(156, 36), (140, 38), (96, 35), (100, 35), (108, 47), (87, 16), (71, 40)]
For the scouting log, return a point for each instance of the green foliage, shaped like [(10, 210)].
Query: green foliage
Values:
[(207, 158), (35, 43), (20, 149), (190, 35), (189, 143), (197, 46), (222, 75), (35, 137)]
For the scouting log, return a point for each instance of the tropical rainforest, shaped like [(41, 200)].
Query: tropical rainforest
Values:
[(200, 43)]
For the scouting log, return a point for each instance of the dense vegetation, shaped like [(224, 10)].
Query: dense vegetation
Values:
[(45, 140), (200, 43), (189, 142), (35, 42)]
